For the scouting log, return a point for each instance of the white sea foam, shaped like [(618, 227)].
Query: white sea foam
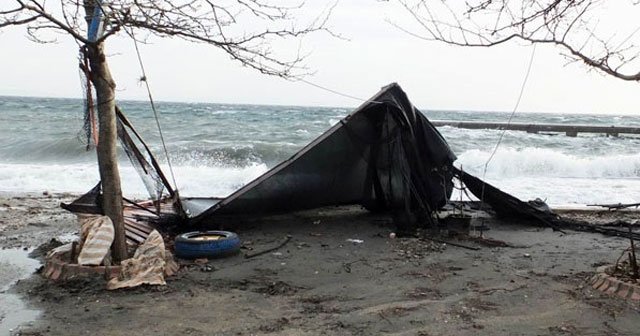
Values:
[(78, 178), (560, 178), (558, 191), (545, 162), (212, 149), (215, 181)]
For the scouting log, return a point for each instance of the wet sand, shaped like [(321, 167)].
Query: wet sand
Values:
[(322, 284)]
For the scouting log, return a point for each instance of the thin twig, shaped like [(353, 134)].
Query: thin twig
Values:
[(259, 253)]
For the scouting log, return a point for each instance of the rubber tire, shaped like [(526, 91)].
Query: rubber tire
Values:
[(186, 247)]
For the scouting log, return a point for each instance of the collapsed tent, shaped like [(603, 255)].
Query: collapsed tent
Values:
[(385, 156)]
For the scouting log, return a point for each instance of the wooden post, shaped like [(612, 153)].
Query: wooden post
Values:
[(107, 135)]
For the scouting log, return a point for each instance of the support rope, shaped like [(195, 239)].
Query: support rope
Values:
[(513, 112), (145, 79), (151, 101)]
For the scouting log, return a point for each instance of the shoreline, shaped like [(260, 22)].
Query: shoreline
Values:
[(322, 283)]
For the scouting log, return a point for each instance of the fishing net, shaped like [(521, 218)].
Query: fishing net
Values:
[(143, 161), (89, 133)]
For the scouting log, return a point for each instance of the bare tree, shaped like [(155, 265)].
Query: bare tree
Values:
[(243, 29), (574, 25)]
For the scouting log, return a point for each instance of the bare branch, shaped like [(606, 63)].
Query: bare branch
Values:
[(571, 25), (19, 22), (244, 29)]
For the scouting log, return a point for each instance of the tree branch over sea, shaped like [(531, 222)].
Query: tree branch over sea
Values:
[(586, 30)]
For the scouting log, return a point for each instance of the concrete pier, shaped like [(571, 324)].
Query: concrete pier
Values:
[(569, 130)]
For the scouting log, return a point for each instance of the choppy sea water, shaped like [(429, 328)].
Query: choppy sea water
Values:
[(217, 148)]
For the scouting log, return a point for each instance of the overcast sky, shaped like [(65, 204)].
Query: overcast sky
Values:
[(435, 76)]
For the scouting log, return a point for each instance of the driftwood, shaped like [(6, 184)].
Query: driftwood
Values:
[(583, 226), (620, 223), (617, 206)]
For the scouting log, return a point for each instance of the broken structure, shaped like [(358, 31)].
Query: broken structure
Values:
[(385, 156)]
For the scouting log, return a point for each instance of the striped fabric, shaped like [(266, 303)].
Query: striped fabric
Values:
[(97, 234), (146, 266)]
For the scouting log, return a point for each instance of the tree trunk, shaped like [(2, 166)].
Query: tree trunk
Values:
[(107, 153)]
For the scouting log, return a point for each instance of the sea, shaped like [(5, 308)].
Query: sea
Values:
[(214, 149)]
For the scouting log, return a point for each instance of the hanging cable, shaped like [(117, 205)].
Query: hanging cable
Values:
[(153, 107), (336, 92), (144, 78), (331, 90), (515, 108)]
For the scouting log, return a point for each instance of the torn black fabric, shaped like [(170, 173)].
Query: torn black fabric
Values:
[(504, 204), (385, 156), (89, 203)]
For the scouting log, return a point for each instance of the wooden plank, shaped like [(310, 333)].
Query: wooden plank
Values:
[(137, 225), (133, 230), (142, 226), (131, 235)]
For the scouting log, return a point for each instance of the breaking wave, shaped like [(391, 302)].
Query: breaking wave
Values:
[(544, 162), (217, 148), (78, 178)]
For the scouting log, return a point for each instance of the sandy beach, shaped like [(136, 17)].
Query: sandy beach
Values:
[(322, 284)]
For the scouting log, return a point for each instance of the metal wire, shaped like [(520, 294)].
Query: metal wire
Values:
[(151, 101), (515, 108), (153, 107)]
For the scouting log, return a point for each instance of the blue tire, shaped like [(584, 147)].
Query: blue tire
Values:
[(206, 244)]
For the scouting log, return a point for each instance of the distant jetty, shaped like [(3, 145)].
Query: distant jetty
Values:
[(569, 130)]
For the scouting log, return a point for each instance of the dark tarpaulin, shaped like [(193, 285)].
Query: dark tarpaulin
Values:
[(89, 203), (504, 204), (385, 155), (508, 206)]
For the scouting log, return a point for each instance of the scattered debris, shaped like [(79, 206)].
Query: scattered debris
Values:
[(277, 288), (347, 266), (201, 261), (451, 243), (275, 326), (259, 253), (422, 293), (414, 248), (489, 242), (498, 289)]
